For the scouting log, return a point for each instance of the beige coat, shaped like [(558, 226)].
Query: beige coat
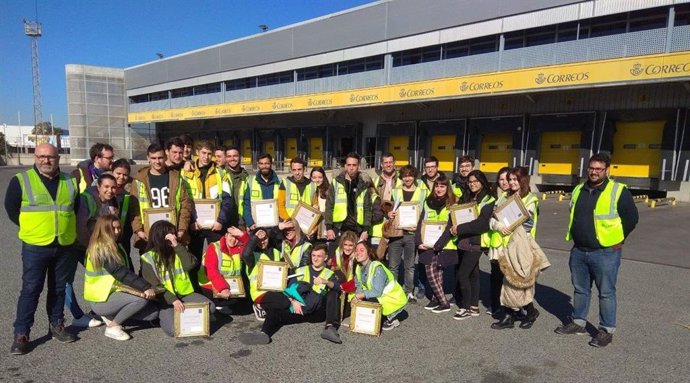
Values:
[(521, 262)]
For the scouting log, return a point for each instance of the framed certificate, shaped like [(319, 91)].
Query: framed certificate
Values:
[(365, 318), (120, 287), (236, 288), (272, 275), (463, 213), (152, 216), (407, 216), (512, 213), (207, 211), (194, 321), (265, 213), (306, 217), (432, 231)]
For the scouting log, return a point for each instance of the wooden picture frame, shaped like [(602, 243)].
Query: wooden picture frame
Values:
[(407, 207), (122, 288), (235, 281), (265, 212), (153, 215), (307, 217), (437, 229), (268, 270), (369, 324), (194, 321), (458, 213), (512, 213), (208, 214)]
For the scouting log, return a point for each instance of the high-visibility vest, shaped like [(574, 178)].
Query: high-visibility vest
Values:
[(498, 239), (124, 209), (200, 190), (239, 186), (396, 185), (255, 191), (341, 266), (608, 225), (306, 276), (82, 181), (99, 283), (340, 203), (42, 219), (419, 196), (393, 297), (486, 237), (440, 217), (179, 283), (295, 253), (253, 274), (228, 265), (144, 197), (292, 196)]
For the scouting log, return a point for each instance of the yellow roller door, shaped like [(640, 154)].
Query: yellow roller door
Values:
[(397, 145), (290, 149), (315, 151), (229, 142), (496, 151), (443, 148), (560, 153), (246, 151), (637, 149), (270, 148)]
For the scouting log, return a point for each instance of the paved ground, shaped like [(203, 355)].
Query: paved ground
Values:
[(651, 345)]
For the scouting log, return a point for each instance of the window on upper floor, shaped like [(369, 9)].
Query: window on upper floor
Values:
[(416, 56), (483, 45), (182, 92), (159, 96), (455, 49), (207, 88), (682, 15), (275, 78), (240, 83)]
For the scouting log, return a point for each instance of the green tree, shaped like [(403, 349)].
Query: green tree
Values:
[(2, 143), (44, 129)]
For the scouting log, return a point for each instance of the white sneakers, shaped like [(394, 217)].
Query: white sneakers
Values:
[(95, 323), (116, 333)]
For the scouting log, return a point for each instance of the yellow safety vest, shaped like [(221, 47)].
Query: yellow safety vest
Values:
[(486, 237), (339, 263), (99, 283), (252, 275), (228, 265), (498, 239), (396, 185), (255, 192), (295, 254), (608, 225), (305, 277), (419, 196), (179, 284), (393, 297), (292, 196), (442, 217), (42, 219), (340, 204), (200, 190)]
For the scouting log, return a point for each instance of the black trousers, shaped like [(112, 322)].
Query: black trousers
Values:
[(279, 315), (467, 277), (496, 285)]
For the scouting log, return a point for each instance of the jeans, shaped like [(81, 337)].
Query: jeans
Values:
[(70, 298), (601, 267), (57, 262), (402, 250)]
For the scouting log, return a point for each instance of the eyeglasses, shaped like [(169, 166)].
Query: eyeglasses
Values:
[(596, 170), (431, 167), (473, 182), (47, 158), (107, 158)]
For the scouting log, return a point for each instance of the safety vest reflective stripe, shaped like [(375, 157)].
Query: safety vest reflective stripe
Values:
[(396, 185), (99, 284), (486, 237), (255, 191), (292, 195), (228, 266), (42, 219), (497, 239), (296, 253), (306, 277), (124, 209), (418, 196), (608, 225)]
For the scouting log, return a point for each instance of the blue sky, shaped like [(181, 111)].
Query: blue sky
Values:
[(123, 33)]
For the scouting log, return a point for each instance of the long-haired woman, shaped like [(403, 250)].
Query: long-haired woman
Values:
[(500, 192), (107, 266), (166, 264)]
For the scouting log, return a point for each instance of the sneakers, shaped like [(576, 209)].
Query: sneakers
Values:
[(462, 314), (570, 328), (59, 333), (95, 323), (225, 310), (106, 320), (441, 309), (87, 320), (390, 324), (489, 311), (474, 311), (20, 346), (254, 338), (259, 313), (345, 322), (601, 339), (433, 303), (116, 332), (331, 334), (411, 298)]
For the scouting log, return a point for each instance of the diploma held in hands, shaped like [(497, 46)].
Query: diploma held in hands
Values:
[(152, 216), (366, 318), (512, 213), (306, 217), (206, 212), (407, 215), (463, 213), (194, 321), (265, 213), (272, 275), (431, 232), (236, 288)]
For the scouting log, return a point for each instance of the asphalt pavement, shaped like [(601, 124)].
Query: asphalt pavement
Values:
[(652, 343)]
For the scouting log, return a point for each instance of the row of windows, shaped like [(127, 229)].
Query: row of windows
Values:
[(647, 19)]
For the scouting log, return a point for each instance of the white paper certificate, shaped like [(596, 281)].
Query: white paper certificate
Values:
[(407, 216), (272, 276), (366, 320), (152, 216), (431, 232), (463, 213), (512, 212), (193, 321), (236, 286), (306, 217), (206, 212), (265, 213)]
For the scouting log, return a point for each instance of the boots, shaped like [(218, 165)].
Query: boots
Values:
[(530, 318), (508, 321)]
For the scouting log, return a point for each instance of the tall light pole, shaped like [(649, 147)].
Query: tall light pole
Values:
[(33, 29)]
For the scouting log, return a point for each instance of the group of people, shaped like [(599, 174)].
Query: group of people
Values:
[(356, 253)]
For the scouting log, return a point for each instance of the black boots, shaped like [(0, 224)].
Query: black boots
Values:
[(508, 321)]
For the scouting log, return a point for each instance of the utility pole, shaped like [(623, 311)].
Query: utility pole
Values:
[(33, 30)]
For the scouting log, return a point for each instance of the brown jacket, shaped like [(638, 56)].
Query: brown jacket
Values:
[(184, 216)]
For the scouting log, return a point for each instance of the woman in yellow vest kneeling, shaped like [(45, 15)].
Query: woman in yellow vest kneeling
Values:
[(166, 264), (107, 271), (376, 283)]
